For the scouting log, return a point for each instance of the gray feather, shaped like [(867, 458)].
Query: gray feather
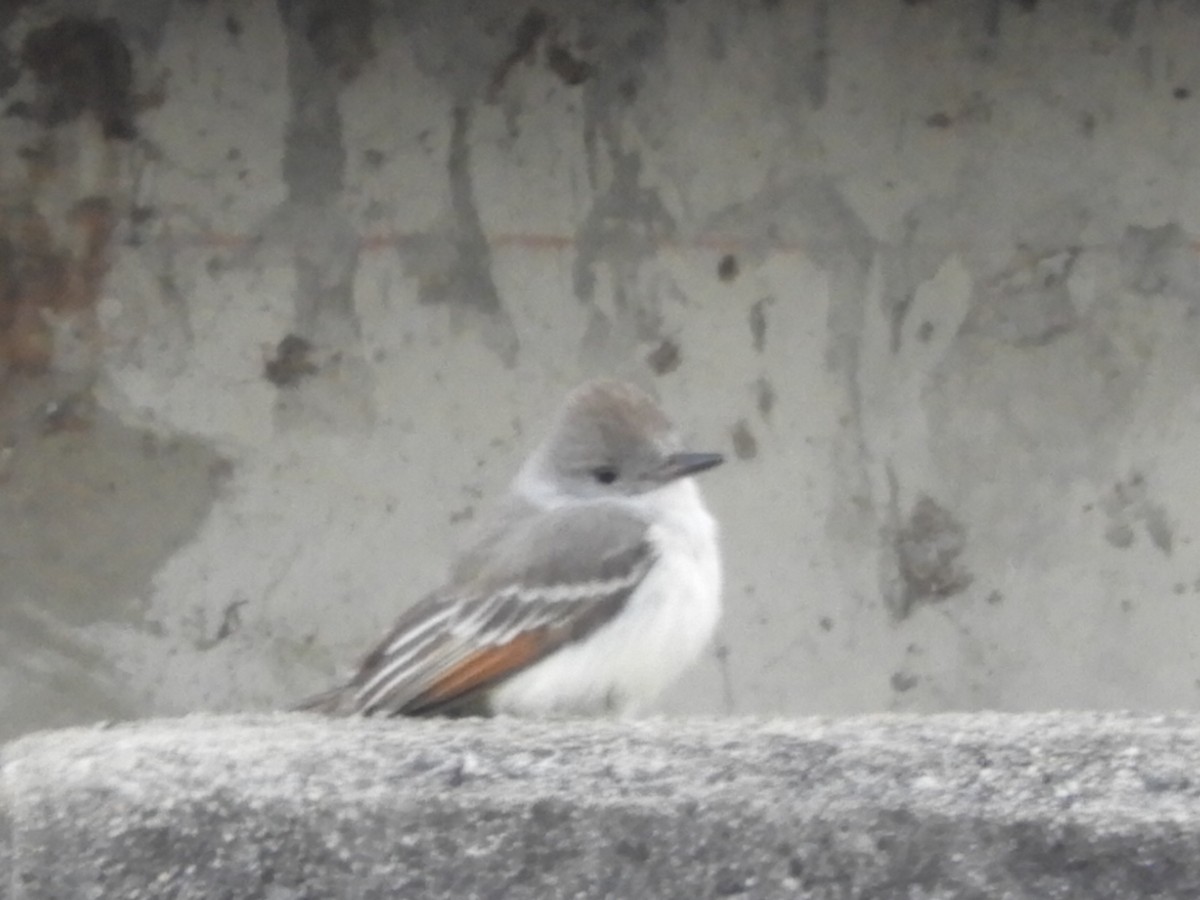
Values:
[(562, 573)]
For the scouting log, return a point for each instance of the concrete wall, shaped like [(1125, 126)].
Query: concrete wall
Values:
[(963, 807), (286, 290)]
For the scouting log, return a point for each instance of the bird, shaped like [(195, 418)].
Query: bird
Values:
[(593, 585)]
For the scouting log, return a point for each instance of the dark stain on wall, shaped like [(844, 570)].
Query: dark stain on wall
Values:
[(627, 223), (9, 10), (10, 73), (816, 67), (1129, 506), (993, 13), (453, 264), (765, 397), (230, 624), (758, 322), (624, 226), (1122, 17), (975, 109), (41, 278), (474, 271), (664, 358), (1161, 261), (314, 157), (745, 444), (340, 35), (81, 65), (291, 363), (571, 69), (627, 220), (902, 682), (927, 548), (900, 304), (526, 35), (327, 46)]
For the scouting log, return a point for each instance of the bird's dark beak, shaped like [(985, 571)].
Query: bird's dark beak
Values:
[(680, 465)]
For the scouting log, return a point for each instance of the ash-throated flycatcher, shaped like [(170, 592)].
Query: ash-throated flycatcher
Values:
[(595, 584)]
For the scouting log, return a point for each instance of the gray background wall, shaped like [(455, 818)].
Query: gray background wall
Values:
[(286, 291)]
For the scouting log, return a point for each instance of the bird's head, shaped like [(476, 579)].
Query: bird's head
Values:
[(611, 439)]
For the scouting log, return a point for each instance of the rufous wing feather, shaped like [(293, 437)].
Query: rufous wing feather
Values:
[(484, 667)]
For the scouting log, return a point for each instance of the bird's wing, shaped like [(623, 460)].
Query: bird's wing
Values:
[(550, 578)]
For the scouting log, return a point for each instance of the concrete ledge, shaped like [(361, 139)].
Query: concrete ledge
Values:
[(291, 806)]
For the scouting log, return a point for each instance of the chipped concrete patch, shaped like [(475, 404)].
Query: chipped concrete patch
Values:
[(97, 506), (1030, 304), (92, 510)]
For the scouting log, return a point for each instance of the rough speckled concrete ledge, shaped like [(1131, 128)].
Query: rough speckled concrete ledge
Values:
[(290, 806)]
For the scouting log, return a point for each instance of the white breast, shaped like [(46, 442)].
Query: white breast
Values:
[(625, 664)]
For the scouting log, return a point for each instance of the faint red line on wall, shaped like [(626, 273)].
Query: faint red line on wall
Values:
[(519, 240), (558, 242)]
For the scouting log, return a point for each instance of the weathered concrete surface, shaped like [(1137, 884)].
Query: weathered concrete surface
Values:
[(1046, 806), (286, 290)]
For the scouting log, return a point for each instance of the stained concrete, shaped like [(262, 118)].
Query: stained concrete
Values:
[(884, 807), (926, 272)]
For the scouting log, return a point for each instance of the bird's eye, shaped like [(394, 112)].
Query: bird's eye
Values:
[(605, 474)]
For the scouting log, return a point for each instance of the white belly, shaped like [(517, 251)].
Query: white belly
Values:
[(625, 664)]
